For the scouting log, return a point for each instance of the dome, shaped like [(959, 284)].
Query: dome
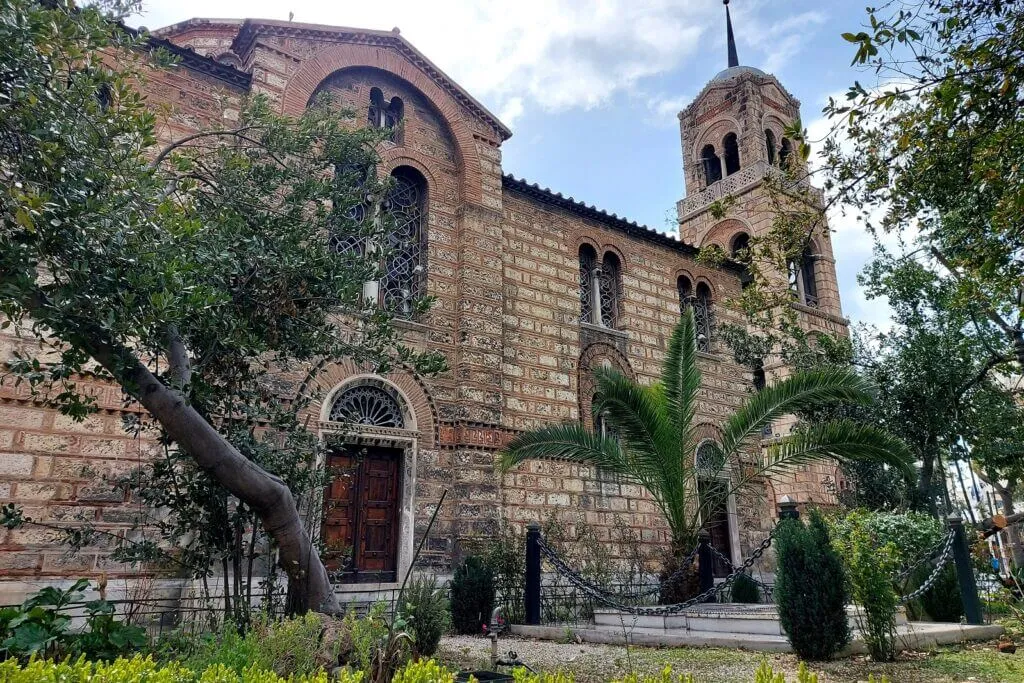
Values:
[(735, 72)]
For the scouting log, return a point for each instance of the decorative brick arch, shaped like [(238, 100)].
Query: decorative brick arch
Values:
[(714, 134), (313, 72), (593, 357), (400, 156), (614, 249), (320, 386), (721, 234)]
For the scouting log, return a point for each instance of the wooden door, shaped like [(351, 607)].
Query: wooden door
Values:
[(718, 525), (360, 528)]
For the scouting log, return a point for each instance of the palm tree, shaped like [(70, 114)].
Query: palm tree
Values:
[(652, 436)]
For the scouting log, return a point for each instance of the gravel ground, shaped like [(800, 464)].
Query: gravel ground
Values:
[(591, 663)]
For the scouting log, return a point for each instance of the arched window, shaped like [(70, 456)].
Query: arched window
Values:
[(367, 405), (405, 264), (802, 279), (383, 114), (702, 315), (759, 379), (610, 290), (785, 152), (769, 142), (731, 153), (738, 250), (712, 165), (708, 460), (685, 290), (588, 284)]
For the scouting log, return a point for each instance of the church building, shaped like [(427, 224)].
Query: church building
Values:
[(534, 290)]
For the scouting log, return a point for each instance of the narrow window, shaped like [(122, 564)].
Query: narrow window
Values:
[(739, 250), (769, 141), (385, 115), (393, 119), (785, 152), (378, 107), (702, 314), (405, 261), (807, 277), (588, 282), (611, 290), (732, 154), (685, 289), (712, 165)]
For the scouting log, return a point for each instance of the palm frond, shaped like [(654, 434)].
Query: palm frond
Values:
[(568, 441), (680, 376), (799, 391), (637, 416), (840, 440)]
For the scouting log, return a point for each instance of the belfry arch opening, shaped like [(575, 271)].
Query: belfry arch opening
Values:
[(731, 152)]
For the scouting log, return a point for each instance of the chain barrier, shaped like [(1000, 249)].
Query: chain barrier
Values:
[(940, 562), (600, 595), (925, 558), (768, 590)]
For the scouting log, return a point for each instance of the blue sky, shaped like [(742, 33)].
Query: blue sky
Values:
[(591, 88)]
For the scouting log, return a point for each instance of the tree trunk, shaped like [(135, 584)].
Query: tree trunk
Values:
[(1013, 539), (924, 481), (267, 495)]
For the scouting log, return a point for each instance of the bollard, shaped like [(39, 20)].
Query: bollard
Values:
[(532, 593), (965, 572), (705, 562), (788, 508)]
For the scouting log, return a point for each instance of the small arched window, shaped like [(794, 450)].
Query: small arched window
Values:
[(685, 290), (712, 165), (785, 152), (588, 284), (731, 148), (383, 114), (769, 143), (708, 460), (405, 264), (610, 290), (702, 315), (738, 249)]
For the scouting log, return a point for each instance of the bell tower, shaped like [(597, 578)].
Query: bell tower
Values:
[(733, 136)]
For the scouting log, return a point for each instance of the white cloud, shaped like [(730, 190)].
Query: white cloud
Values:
[(511, 111), (664, 109), (789, 37)]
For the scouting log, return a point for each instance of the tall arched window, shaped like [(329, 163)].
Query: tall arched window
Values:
[(405, 265), (738, 250), (712, 165), (588, 284), (685, 290), (807, 277), (731, 153), (769, 143), (785, 152), (702, 315), (610, 290)]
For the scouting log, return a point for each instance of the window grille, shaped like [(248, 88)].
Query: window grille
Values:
[(588, 261), (702, 315), (404, 265), (367, 405), (709, 460), (685, 290), (610, 291)]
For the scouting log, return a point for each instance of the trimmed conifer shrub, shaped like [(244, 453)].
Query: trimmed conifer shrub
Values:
[(472, 596), (745, 590), (810, 589)]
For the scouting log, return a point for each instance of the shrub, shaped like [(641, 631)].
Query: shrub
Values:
[(427, 614), (423, 671), (745, 590), (145, 670), (870, 565), (942, 601), (362, 636), (505, 557), (472, 596), (810, 589)]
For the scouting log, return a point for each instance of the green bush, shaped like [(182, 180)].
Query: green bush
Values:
[(745, 590), (942, 601), (363, 636), (472, 596), (426, 611), (870, 564), (810, 589), (145, 670)]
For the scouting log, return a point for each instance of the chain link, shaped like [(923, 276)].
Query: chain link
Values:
[(603, 597), (927, 557), (940, 562), (768, 589)]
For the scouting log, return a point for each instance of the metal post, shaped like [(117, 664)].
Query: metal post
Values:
[(788, 508), (965, 572), (705, 562), (532, 597)]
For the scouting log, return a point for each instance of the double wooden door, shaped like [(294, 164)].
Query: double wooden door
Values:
[(361, 505), (718, 525)]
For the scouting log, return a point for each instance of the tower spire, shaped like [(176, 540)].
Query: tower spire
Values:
[(734, 59)]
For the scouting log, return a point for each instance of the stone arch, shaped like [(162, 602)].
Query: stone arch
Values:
[(594, 356), (315, 71), (401, 156), (714, 134), (329, 377), (721, 233), (614, 249), (586, 239)]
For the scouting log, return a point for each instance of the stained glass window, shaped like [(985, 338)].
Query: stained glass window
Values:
[(702, 315), (367, 405), (405, 265), (588, 261), (610, 290)]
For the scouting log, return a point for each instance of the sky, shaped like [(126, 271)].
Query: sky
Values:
[(591, 88)]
